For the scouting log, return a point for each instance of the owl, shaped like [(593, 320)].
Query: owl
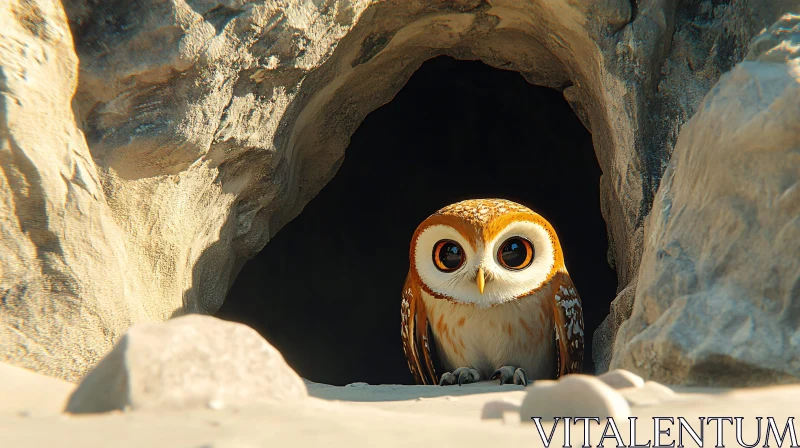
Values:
[(488, 296)]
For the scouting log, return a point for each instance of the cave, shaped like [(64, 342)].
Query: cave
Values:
[(326, 288)]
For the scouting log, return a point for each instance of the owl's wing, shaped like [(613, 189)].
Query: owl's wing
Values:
[(568, 325), (416, 335)]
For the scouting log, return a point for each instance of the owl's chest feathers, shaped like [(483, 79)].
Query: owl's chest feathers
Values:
[(518, 333)]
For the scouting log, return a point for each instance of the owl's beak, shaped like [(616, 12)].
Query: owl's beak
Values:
[(480, 279)]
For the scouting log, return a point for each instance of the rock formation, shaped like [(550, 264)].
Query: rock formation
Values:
[(198, 128), (718, 296), (66, 292)]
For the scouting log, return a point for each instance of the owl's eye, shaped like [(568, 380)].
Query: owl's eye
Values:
[(516, 253), (448, 255)]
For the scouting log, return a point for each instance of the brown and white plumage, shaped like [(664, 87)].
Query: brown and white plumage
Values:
[(472, 311)]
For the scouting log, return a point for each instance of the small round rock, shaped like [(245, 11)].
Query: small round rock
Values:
[(495, 409), (620, 379), (573, 396), (651, 393)]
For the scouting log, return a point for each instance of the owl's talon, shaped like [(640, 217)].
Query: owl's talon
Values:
[(509, 374), (467, 375), (504, 373), (447, 379), (495, 375), (462, 375), (520, 377)]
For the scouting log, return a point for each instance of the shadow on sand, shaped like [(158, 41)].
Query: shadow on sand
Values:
[(395, 392)]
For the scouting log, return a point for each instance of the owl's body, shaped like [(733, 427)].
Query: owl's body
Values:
[(488, 294), (515, 334)]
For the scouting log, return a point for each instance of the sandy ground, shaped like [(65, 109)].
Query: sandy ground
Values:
[(358, 415)]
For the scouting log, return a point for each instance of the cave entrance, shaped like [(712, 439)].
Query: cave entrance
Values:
[(326, 289)]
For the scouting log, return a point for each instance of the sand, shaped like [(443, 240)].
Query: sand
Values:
[(356, 415)]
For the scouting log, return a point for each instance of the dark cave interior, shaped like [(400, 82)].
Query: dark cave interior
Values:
[(326, 289)]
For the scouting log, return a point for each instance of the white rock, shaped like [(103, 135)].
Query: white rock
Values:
[(573, 396), (620, 379), (649, 394), (190, 362), (496, 409)]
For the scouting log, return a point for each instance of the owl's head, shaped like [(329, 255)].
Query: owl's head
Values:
[(484, 252)]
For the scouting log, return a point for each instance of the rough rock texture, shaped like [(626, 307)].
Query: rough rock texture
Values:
[(708, 39), (718, 295), (64, 293), (243, 112), (188, 362), (603, 337), (210, 124)]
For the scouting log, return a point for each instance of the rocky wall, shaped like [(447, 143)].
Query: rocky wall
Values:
[(198, 128)]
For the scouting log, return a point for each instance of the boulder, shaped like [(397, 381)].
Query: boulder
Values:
[(188, 362), (718, 295)]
